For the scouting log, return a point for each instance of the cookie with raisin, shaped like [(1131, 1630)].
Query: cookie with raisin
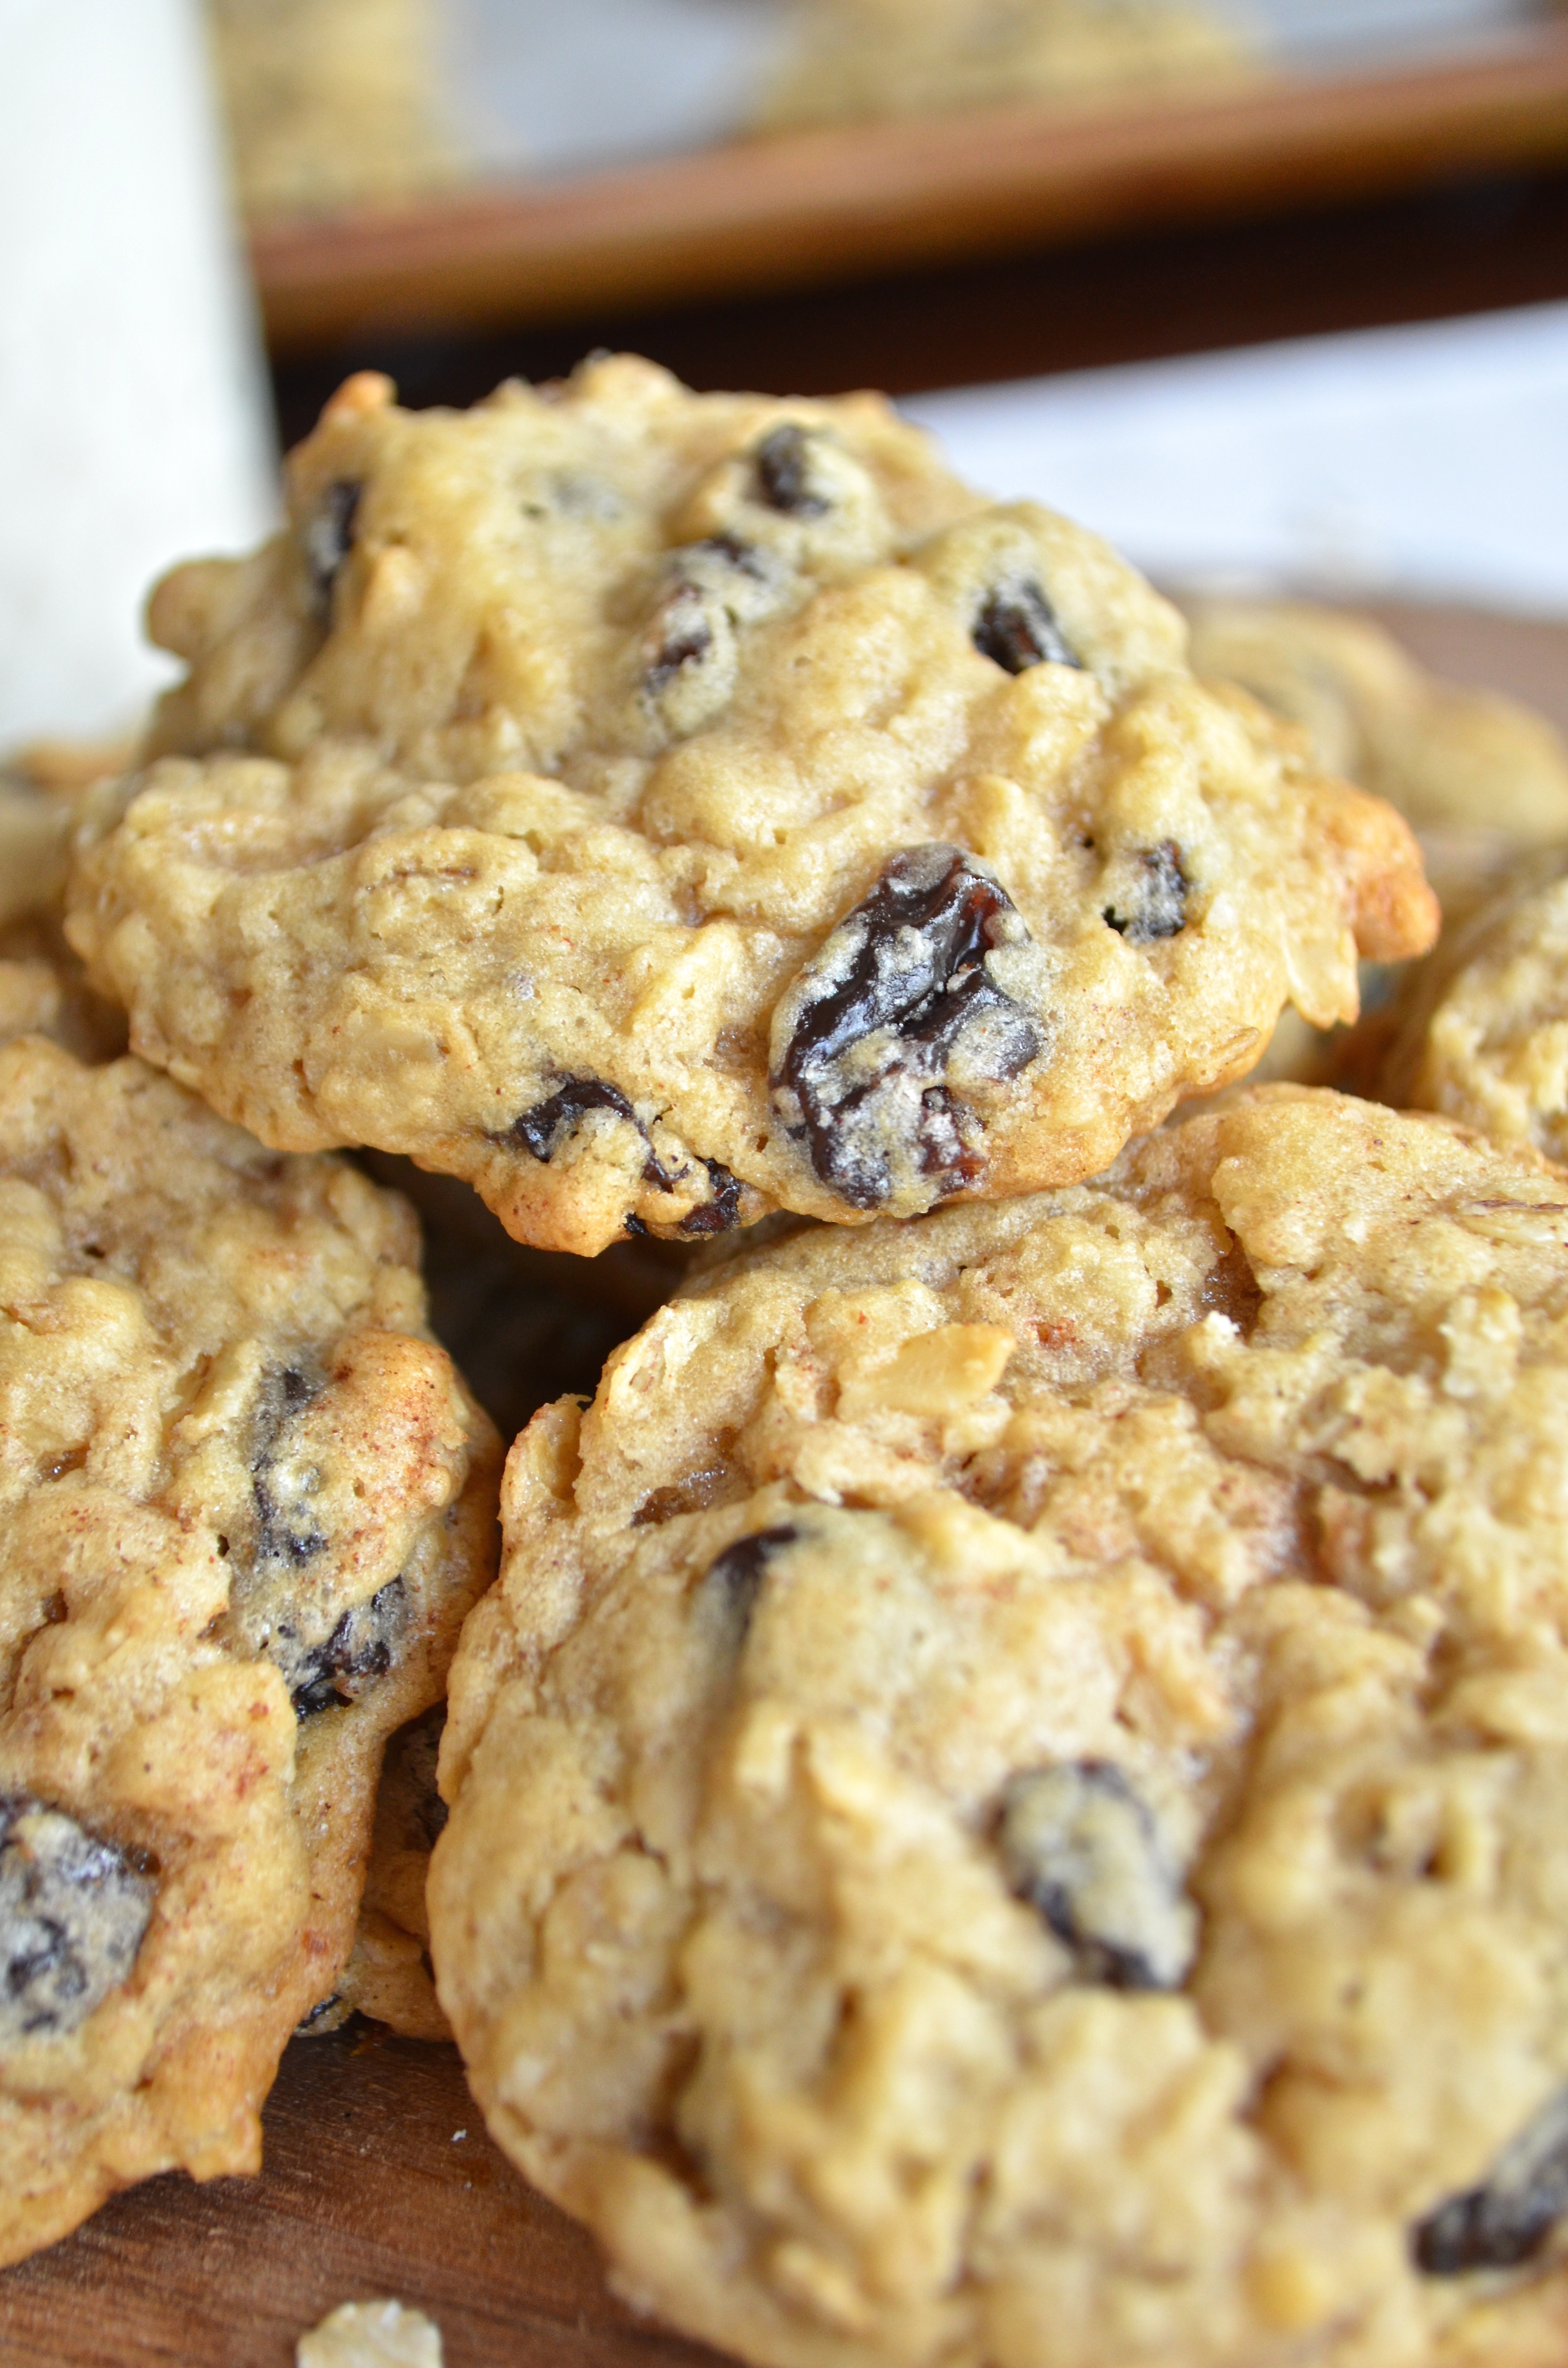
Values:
[(246, 1504), (1006, 1807), (661, 809), (1481, 1029)]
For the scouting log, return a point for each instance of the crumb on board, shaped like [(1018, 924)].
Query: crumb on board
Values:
[(371, 2335)]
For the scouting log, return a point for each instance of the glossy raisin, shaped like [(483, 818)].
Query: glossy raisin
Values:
[(1509, 2217), (1017, 627), (74, 1910), (360, 1649), (683, 637), (545, 1128), (328, 2014), (328, 537), (709, 588), (285, 1531), (734, 1581), (900, 989), (1158, 905), (1081, 1846), (784, 473), (722, 1213)]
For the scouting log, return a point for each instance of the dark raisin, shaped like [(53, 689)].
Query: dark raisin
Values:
[(545, 1128), (74, 1910), (733, 1582), (784, 473), (698, 560), (1509, 2218), (1082, 1848), (329, 2014), (722, 1213), (689, 651), (1017, 627), (1158, 908), (1231, 1289), (683, 636), (873, 1024), (328, 537), (285, 1531), (360, 1649), (713, 1484)]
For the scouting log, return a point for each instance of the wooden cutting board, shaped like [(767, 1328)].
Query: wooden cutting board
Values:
[(379, 2181), (379, 2178)]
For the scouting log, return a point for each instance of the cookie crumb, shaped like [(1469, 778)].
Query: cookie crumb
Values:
[(371, 2335)]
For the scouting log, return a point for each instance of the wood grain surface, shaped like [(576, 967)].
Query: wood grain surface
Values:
[(368, 2188), (809, 208)]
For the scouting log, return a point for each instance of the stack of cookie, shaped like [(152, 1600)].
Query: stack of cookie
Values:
[(1002, 1809), (248, 1501)]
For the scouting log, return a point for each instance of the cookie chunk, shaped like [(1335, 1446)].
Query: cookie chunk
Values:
[(660, 810), (371, 2335), (1482, 1029), (1007, 1805), (333, 103), (247, 1503), (1483, 778), (852, 61)]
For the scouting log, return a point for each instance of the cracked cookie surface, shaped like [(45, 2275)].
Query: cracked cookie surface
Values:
[(662, 809), (1006, 1805), (247, 1503)]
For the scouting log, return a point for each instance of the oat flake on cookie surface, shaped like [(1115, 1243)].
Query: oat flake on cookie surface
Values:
[(662, 809), (245, 1503), (1007, 1806)]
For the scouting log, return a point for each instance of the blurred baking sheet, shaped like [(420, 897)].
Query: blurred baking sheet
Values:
[(1424, 89), (1427, 462), (542, 87)]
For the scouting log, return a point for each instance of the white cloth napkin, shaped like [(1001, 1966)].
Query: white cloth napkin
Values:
[(133, 424)]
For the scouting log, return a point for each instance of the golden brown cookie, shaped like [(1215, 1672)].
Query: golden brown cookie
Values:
[(247, 1503), (1480, 1031), (662, 809), (1481, 779), (851, 61), (333, 102), (1007, 1806)]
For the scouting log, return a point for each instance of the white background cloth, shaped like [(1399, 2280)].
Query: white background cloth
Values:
[(133, 425), (1431, 461)]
